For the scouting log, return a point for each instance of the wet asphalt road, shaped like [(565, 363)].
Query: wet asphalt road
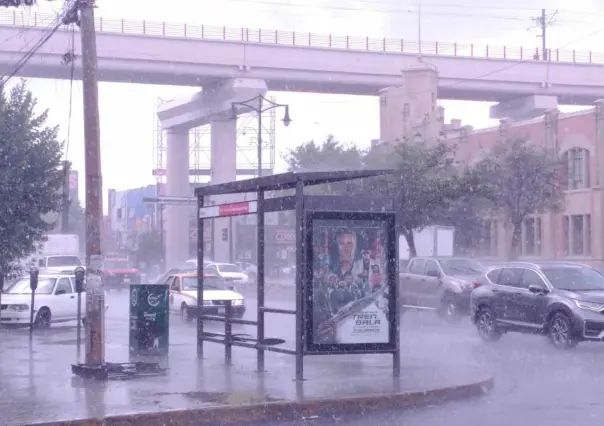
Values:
[(535, 384)]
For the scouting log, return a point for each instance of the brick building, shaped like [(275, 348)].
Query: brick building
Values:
[(577, 233)]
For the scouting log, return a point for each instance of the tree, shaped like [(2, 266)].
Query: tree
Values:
[(425, 183), (327, 156), (524, 179), (30, 174), (76, 221), (150, 248)]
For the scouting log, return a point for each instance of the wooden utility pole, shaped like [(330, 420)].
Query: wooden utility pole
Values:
[(65, 202), (95, 303)]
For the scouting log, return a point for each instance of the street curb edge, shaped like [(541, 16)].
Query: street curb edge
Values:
[(289, 410)]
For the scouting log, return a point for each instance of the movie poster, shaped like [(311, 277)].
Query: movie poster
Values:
[(350, 282)]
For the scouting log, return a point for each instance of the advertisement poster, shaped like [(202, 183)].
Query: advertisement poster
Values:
[(350, 282), (149, 320)]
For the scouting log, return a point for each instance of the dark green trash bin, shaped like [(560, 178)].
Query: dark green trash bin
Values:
[(149, 320)]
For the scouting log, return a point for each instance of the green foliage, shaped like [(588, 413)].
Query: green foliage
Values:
[(150, 248), (426, 185), (523, 179), (30, 174), (330, 155)]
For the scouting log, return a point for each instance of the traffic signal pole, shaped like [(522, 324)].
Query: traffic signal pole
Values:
[(95, 292)]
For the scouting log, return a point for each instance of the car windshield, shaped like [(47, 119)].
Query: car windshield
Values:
[(461, 267), (117, 264), (45, 286), (228, 268), (209, 283), (63, 261), (575, 279)]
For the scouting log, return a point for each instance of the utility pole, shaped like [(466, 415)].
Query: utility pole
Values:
[(95, 295), (65, 202), (543, 22), (419, 29)]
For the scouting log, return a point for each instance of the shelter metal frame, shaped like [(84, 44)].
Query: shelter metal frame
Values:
[(304, 206)]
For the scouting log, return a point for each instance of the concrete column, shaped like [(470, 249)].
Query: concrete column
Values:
[(224, 169), (177, 185), (412, 107)]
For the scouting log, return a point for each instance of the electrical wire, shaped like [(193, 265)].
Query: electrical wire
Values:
[(58, 21), (481, 76)]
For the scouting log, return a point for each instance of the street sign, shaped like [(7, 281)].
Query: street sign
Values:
[(225, 210)]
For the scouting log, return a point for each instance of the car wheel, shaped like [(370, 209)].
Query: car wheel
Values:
[(449, 310), (560, 333), (185, 314), (485, 324), (43, 318)]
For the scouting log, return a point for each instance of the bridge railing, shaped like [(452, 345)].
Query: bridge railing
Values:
[(304, 39)]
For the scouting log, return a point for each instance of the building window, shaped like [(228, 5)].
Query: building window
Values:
[(577, 168), (577, 235), (488, 238), (531, 236)]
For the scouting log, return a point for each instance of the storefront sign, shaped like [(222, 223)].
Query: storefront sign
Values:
[(350, 296), (285, 236)]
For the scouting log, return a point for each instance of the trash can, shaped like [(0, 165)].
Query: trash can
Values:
[(149, 320)]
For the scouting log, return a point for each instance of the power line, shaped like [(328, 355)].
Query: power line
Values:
[(481, 76), (543, 22), (58, 21)]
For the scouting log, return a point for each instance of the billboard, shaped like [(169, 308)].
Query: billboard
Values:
[(350, 299)]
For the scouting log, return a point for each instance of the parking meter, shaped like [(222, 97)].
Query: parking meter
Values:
[(33, 284), (80, 274), (33, 279)]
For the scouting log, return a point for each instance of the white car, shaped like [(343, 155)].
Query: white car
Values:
[(183, 296), (55, 301), (229, 272)]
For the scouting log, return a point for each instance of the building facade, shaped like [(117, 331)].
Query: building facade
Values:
[(577, 232)]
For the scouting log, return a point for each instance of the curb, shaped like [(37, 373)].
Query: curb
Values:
[(289, 410)]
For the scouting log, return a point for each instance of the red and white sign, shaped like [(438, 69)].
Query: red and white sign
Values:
[(232, 209)]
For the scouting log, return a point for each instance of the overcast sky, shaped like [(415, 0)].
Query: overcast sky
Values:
[(127, 110)]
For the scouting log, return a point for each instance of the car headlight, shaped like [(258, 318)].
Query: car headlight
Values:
[(18, 308), (590, 306), (207, 302), (237, 302)]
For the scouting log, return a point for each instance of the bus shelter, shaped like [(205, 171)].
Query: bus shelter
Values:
[(346, 277)]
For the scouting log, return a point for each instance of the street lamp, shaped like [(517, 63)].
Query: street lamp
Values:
[(259, 104)]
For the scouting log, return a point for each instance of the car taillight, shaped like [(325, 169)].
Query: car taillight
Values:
[(476, 284)]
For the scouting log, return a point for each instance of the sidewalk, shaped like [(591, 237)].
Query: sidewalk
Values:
[(37, 384)]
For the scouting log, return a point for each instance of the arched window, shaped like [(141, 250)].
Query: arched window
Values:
[(577, 168)]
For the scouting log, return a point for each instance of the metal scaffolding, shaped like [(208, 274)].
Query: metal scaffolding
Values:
[(200, 147)]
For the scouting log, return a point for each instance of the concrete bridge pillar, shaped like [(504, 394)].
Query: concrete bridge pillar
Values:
[(411, 109), (177, 185), (212, 106), (224, 167)]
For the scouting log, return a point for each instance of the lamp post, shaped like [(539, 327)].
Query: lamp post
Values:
[(259, 104)]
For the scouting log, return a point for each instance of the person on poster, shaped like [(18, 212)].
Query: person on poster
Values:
[(347, 247), (340, 297)]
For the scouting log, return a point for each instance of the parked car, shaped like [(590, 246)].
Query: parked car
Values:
[(183, 296), (229, 272), (443, 284), (250, 269), (562, 300), (55, 301)]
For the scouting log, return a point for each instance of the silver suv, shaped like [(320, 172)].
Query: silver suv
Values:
[(443, 284)]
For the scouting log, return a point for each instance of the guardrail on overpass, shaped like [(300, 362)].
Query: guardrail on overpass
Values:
[(303, 39)]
